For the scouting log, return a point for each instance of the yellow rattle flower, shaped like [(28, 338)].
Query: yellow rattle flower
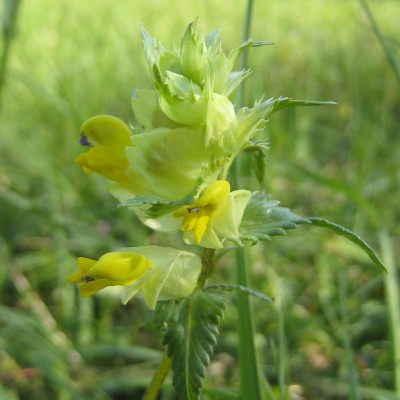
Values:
[(112, 269), (160, 273), (108, 137), (214, 216), (201, 213)]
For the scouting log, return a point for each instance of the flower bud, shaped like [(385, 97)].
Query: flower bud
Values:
[(193, 54)]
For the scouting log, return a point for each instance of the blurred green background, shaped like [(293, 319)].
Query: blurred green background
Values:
[(334, 329)]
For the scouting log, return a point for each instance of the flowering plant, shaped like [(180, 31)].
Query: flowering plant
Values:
[(170, 166)]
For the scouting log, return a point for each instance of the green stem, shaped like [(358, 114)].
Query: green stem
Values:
[(249, 378), (246, 35), (9, 22), (158, 379), (282, 349), (208, 266), (250, 387), (392, 300), (382, 40), (354, 393)]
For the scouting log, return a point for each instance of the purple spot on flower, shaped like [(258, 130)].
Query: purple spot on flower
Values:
[(84, 141), (87, 278)]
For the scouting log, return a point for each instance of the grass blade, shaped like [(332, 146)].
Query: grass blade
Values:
[(250, 387), (382, 40), (393, 300)]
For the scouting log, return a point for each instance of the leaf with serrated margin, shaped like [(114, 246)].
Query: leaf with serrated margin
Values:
[(190, 338), (353, 237), (264, 218), (253, 43), (230, 287), (158, 205), (286, 102)]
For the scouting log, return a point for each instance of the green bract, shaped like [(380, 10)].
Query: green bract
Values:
[(168, 162), (192, 86), (174, 274)]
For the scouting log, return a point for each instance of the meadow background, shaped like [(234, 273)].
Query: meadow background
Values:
[(334, 329)]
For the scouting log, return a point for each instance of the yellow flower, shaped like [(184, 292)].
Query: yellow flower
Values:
[(215, 216), (164, 162), (161, 273), (202, 212), (112, 269), (108, 137)]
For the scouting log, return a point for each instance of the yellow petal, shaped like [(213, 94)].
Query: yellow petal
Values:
[(107, 130), (108, 137), (102, 161), (90, 288), (201, 227), (215, 194), (84, 264), (120, 268), (201, 213)]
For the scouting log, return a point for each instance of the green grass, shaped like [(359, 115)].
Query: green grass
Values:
[(334, 318)]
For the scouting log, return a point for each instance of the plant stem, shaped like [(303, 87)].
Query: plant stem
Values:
[(382, 40), (392, 299), (246, 35), (158, 379), (9, 22), (208, 265), (249, 377), (250, 387), (354, 393), (282, 348)]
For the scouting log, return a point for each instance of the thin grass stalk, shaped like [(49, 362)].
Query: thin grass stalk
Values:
[(393, 301), (243, 60), (386, 245), (11, 8), (382, 40), (282, 349), (250, 387), (249, 376), (351, 368)]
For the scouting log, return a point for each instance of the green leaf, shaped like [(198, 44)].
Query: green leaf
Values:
[(231, 287), (252, 120), (253, 43), (347, 233), (285, 102), (190, 338), (264, 218), (158, 205)]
